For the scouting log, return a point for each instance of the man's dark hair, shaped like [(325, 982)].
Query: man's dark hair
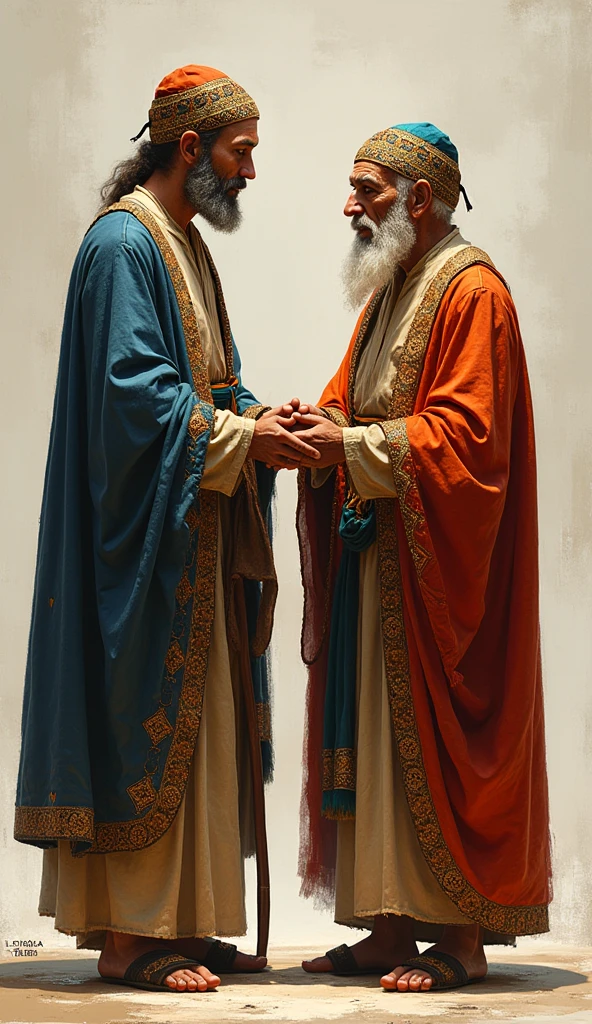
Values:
[(147, 159)]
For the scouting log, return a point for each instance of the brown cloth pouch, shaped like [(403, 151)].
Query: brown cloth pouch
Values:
[(248, 556)]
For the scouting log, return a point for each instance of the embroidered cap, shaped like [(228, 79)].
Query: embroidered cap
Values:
[(418, 150), (196, 98)]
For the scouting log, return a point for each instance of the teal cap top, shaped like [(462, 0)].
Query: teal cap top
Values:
[(429, 133)]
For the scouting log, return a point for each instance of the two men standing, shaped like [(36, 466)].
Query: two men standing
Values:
[(425, 791)]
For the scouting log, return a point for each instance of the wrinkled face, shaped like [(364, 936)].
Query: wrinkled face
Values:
[(373, 193), (214, 183), (384, 230)]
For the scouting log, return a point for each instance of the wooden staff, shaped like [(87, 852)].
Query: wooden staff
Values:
[(261, 852)]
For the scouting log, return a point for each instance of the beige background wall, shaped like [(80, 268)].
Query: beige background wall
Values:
[(510, 82)]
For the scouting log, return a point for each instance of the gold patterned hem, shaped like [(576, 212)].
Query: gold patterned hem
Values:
[(52, 823)]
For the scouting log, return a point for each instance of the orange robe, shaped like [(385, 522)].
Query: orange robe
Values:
[(458, 553)]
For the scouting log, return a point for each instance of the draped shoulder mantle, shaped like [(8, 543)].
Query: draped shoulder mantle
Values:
[(124, 591), (459, 600)]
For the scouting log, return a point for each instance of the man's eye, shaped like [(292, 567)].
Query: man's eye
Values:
[(240, 152)]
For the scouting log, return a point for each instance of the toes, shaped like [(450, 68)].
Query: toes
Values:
[(427, 984), (319, 965), (211, 980), (389, 981)]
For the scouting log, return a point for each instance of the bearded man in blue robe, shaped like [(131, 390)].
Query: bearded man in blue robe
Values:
[(133, 774)]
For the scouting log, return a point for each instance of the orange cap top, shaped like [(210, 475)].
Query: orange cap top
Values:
[(189, 77)]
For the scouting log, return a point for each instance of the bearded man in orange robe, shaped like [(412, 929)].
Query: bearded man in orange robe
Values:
[(425, 812)]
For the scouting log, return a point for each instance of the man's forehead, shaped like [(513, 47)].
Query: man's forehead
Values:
[(243, 133), (369, 173)]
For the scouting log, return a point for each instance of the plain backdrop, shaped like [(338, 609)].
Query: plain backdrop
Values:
[(509, 80)]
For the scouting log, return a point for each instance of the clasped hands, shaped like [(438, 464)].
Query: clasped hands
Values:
[(296, 436)]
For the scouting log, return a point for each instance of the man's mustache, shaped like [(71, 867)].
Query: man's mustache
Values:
[(361, 220), (239, 183)]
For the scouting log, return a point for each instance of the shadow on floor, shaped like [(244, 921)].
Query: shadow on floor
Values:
[(56, 975)]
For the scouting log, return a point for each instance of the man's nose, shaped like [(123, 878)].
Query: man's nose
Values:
[(352, 207), (248, 169)]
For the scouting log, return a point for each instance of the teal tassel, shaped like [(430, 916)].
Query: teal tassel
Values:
[(339, 804)]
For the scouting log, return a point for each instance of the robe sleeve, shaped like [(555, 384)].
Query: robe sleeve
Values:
[(228, 448), (451, 459), (368, 461)]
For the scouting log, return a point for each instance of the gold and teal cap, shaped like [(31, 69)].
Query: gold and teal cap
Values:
[(418, 150)]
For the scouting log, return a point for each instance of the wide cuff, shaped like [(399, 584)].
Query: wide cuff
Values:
[(253, 412), (228, 448), (368, 462)]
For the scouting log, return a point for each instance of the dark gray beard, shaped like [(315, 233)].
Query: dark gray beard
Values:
[(208, 194), (371, 262)]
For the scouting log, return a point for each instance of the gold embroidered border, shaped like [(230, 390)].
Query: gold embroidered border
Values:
[(135, 835), (336, 415), (253, 412), (339, 769), (33, 823), (207, 106), (222, 312), (414, 158), (368, 318), (525, 920)]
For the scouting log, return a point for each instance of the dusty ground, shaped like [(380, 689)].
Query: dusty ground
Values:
[(530, 985)]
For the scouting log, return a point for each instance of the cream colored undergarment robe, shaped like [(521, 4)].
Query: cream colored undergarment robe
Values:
[(190, 882), (380, 866)]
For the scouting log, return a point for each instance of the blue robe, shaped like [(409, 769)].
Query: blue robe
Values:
[(124, 589)]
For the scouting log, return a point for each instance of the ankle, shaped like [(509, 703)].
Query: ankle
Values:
[(466, 937)]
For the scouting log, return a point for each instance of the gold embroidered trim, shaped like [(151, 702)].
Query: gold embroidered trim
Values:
[(142, 793), (524, 920), (509, 920), (339, 769), (408, 494), (414, 158), (207, 106), (368, 320), (264, 721), (253, 412), (158, 725), (336, 415), (76, 823)]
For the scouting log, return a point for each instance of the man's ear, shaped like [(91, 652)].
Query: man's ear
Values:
[(190, 147), (420, 197)]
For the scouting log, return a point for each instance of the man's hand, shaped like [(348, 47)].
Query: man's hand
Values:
[(322, 434), (275, 445)]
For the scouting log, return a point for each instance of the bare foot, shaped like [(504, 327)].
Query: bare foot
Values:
[(121, 950), (464, 943), (197, 949), (390, 942)]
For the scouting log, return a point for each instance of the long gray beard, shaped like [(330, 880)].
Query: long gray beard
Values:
[(208, 194), (371, 262)]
